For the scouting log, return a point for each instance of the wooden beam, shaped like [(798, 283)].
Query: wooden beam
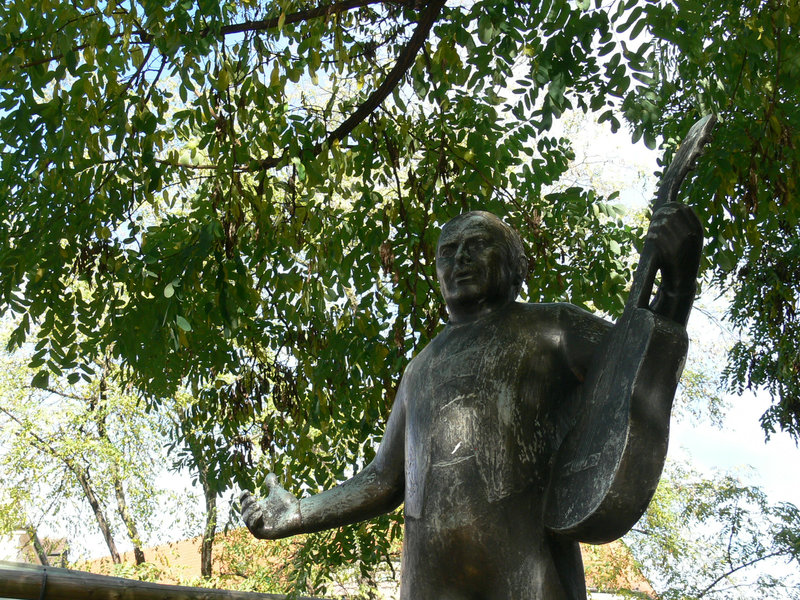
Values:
[(34, 582)]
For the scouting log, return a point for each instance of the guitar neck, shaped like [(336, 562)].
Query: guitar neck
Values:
[(688, 152)]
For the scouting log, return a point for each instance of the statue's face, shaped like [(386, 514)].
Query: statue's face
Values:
[(471, 264)]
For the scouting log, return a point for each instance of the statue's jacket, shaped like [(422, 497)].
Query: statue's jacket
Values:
[(500, 391)]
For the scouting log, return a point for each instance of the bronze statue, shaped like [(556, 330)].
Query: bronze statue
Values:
[(520, 429)]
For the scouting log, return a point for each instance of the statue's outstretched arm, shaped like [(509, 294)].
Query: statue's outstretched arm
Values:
[(377, 489)]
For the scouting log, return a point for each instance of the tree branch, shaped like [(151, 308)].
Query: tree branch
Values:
[(60, 393), (401, 66), (749, 563), (300, 16)]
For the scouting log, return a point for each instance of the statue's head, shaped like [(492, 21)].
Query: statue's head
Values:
[(480, 263)]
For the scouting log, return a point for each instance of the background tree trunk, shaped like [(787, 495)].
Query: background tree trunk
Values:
[(130, 524), (119, 490), (206, 550), (99, 514)]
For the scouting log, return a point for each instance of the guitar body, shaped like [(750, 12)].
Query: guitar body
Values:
[(608, 466)]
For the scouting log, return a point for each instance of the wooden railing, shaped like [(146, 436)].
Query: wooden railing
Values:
[(21, 581)]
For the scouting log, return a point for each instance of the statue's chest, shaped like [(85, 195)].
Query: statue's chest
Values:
[(478, 400), (455, 408), (488, 375)]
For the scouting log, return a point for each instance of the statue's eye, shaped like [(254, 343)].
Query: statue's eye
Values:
[(477, 244), (447, 251)]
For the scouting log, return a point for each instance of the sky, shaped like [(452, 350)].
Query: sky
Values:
[(739, 445)]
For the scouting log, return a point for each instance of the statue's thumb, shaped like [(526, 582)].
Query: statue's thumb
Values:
[(272, 481)]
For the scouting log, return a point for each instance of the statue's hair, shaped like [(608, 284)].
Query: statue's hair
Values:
[(516, 260)]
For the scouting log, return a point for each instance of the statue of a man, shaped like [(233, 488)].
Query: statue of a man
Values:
[(477, 421)]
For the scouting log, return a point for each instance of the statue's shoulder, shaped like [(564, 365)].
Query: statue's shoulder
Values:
[(541, 309), (415, 364), (559, 318), (548, 312), (570, 312)]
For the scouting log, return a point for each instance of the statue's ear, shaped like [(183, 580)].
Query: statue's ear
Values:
[(516, 284), (519, 276)]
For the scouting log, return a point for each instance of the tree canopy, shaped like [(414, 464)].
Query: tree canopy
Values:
[(717, 538), (241, 200), (79, 459)]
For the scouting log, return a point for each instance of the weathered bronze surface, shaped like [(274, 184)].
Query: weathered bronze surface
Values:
[(521, 429)]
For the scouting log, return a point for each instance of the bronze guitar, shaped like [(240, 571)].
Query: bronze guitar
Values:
[(608, 466)]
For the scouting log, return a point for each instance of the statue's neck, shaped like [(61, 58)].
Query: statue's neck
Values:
[(475, 312)]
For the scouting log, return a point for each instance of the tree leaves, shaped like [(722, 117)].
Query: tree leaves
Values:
[(746, 183), (41, 380), (252, 192), (706, 537), (183, 323)]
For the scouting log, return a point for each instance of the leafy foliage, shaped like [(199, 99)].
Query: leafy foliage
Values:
[(238, 202), (251, 195), (717, 538), (106, 106), (745, 68)]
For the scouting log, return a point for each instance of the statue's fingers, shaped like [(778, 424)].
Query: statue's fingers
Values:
[(678, 225), (691, 222), (247, 512), (683, 229), (657, 221), (254, 519), (250, 511), (670, 221), (672, 213), (674, 228), (665, 211), (683, 217), (248, 501), (659, 225)]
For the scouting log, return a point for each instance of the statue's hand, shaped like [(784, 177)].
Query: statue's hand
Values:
[(276, 517), (678, 236)]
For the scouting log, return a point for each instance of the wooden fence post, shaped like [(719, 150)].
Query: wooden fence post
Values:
[(22, 581)]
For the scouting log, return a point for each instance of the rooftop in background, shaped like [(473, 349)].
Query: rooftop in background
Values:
[(18, 546)]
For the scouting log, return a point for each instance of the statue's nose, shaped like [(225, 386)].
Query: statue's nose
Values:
[(462, 254)]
